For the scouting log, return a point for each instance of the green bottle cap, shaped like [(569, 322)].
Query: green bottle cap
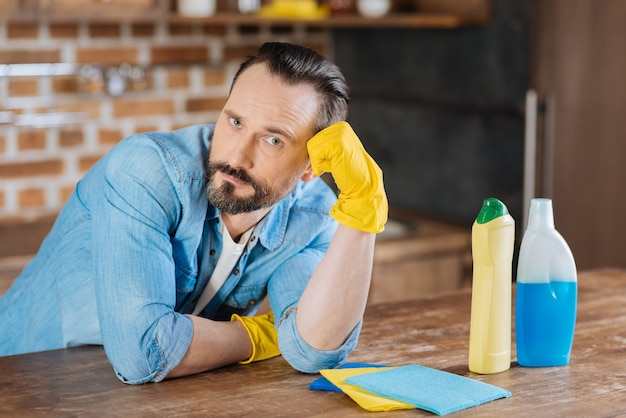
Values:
[(492, 209)]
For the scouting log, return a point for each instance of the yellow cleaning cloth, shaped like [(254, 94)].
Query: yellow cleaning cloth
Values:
[(366, 400)]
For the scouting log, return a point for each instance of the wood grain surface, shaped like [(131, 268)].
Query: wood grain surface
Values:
[(431, 331)]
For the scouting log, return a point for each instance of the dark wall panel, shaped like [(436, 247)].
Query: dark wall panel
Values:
[(442, 110)]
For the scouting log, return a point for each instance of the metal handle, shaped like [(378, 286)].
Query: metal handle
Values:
[(530, 152), (548, 145)]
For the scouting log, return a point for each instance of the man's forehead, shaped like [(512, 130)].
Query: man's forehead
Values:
[(258, 92)]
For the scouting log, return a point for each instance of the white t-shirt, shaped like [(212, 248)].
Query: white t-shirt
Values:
[(231, 251)]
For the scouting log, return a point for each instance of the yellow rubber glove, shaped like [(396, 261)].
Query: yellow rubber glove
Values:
[(263, 336), (362, 202)]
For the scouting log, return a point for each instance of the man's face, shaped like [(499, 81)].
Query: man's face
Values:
[(258, 151)]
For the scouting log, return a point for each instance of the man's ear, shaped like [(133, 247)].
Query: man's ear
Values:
[(308, 174)]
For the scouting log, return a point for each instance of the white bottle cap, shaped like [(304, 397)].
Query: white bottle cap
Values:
[(540, 214)]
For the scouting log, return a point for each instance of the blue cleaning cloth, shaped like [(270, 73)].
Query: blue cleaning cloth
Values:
[(425, 388), (322, 383)]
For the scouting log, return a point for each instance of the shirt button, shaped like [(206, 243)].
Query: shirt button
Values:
[(252, 238), (236, 272), (212, 252)]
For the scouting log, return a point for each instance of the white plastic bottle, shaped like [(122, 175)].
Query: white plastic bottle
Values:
[(493, 236), (546, 292)]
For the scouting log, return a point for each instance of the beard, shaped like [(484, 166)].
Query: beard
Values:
[(223, 197)]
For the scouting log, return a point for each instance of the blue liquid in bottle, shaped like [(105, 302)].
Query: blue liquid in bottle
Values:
[(544, 322)]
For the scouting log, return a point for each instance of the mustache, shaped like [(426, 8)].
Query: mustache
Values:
[(239, 174)]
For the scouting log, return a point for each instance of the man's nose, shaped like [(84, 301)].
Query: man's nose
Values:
[(242, 153)]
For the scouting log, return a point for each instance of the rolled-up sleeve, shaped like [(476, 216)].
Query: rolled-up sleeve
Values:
[(134, 212), (305, 358)]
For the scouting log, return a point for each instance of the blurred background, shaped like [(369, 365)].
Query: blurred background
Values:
[(448, 95)]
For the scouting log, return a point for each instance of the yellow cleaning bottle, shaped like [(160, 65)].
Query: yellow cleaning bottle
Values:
[(493, 236)]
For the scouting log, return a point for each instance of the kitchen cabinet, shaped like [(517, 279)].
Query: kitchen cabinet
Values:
[(18, 243), (430, 257)]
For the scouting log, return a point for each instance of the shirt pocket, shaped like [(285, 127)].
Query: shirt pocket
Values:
[(241, 301)]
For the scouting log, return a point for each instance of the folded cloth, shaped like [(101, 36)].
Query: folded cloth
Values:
[(321, 383), (425, 388), (365, 399)]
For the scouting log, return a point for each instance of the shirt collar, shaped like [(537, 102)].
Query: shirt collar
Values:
[(272, 228), (273, 231)]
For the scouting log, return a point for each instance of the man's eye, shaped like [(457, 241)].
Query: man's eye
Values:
[(272, 140), (234, 122)]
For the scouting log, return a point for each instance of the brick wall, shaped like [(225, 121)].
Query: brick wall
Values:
[(186, 68)]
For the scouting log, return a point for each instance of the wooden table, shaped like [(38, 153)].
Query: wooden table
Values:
[(432, 331)]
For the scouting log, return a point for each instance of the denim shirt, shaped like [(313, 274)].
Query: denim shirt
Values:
[(136, 243)]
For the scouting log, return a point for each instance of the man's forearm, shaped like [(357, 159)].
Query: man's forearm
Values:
[(214, 344), (334, 300)]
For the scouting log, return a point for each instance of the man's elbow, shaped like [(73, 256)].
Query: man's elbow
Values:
[(142, 357), (309, 364), (306, 359), (138, 367)]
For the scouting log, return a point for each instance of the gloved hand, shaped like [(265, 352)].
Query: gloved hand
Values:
[(362, 202), (263, 336)]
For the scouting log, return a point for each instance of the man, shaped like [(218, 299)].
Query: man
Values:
[(172, 239)]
